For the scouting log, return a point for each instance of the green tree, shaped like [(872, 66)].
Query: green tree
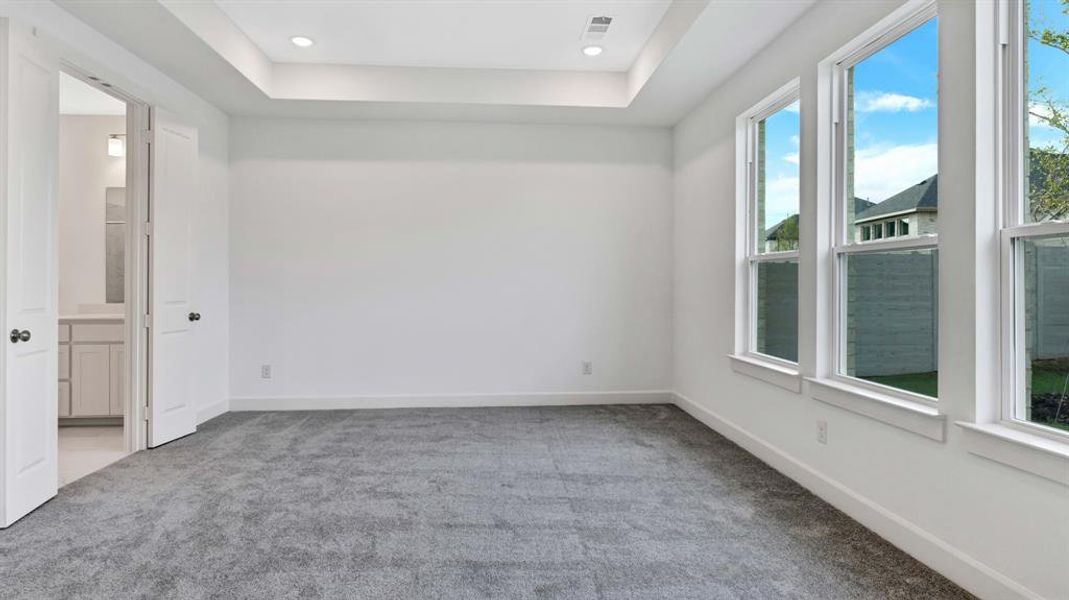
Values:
[(1048, 169)]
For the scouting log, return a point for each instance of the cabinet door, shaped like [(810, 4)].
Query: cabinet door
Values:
[(118, 379), (64, 398), (91, 380)]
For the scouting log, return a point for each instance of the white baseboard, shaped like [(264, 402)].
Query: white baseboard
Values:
[(451, 400), (969, 573), (211, 411)]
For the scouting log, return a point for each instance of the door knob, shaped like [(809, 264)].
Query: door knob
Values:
[(20, 336), (194, 316)]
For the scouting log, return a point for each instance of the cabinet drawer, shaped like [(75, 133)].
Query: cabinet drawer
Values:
[(97, 332), (64, 333), (64, 361), (64, 398)]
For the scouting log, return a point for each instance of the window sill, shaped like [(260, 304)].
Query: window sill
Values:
[(916, 418), (767, 371), (1019, 449)]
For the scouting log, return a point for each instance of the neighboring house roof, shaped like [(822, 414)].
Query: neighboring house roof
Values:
[(860, 204), (773, 232), (921, 197)]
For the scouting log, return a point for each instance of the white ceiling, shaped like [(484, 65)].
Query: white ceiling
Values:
[(79, 98), (697, 45), (495, 34)]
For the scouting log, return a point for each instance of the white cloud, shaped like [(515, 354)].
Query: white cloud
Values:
[(1036, 114), (882, 171), (793, 107), (792, 158), (889, 102), (795, 141), (781, 199)]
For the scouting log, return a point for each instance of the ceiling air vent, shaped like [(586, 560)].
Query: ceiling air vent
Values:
[(596, 28)]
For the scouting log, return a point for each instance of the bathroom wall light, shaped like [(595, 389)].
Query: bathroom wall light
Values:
[(117, 144)]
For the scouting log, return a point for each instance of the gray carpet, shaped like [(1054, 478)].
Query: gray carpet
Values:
[(638, 502)]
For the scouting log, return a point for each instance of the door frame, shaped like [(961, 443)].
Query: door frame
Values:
[(136, 335)]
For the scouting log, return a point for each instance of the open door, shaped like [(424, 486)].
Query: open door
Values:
[(29, 132), (172, 410)]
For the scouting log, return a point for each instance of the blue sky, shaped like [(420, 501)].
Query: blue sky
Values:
[(1047, 67), (895, 115)]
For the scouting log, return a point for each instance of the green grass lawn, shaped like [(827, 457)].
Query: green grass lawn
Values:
[(1048, 382), (1044, 381), (926, 384)]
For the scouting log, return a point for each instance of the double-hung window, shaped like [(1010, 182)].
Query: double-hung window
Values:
[(770, 228), (885, 162), (1035, 217)]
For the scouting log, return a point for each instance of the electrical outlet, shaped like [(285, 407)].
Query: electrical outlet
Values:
[(822, 432), (588, 367), (265, 371)]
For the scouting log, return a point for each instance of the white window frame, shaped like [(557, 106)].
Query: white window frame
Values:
[(1014, 228), (747, 359), (902, 22)]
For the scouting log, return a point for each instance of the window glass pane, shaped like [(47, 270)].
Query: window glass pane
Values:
[(115, 244), (777, 181), (1045, 265), (1047, 107), (891, 319), (891, 153), (777, 309)]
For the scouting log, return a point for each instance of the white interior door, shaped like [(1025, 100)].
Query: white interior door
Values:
[(172, 410), (30, 101)]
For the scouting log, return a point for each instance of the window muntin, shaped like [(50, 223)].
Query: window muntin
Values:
[(1035, 235), (886, 164), (773, 198)]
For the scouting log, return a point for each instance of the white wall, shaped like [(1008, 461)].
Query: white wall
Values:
[(88, 50), (1000, 532), (375, 259), (85, 171)]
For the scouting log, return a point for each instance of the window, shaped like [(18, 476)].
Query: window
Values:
[(885, 163), (903, 227), (1035, 234), (772, 226), (115, 244)]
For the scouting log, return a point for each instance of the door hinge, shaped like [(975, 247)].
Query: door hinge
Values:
[(149, 135), (148, 321), (148, 229), (145, 412)]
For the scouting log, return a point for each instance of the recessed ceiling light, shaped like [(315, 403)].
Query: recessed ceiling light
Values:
[(592, 50), (301, 42)]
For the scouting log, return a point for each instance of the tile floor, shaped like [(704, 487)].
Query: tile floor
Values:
[(85, 449)]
